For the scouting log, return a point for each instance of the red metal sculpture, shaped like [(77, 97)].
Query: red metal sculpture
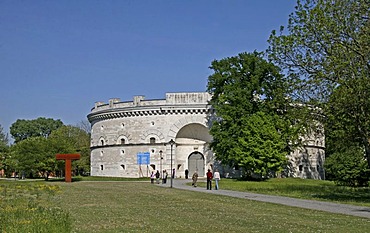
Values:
[(68, 159)]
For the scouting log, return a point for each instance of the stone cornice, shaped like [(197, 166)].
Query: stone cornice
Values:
[(145, 111)]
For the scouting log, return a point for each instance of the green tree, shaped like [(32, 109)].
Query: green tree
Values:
[(4, 149), (72, 139), (23, 129), (36, 155), (4, 140), (326, 54), (348, 167), (33, 156), (251, 128)]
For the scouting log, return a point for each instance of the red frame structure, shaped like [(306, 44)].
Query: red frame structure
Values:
[(68, 167)]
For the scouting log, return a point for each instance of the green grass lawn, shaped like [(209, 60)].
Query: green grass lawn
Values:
[(301, 188), (103, 206)]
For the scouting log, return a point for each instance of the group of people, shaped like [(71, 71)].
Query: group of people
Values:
[(156, 176), (210, 176)]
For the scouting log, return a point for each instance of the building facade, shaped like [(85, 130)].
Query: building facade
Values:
[(131, 139)]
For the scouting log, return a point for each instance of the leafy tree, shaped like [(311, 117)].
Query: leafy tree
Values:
[(36, 155), (23, 129), (71, 139), (252, 128), (33, 156), (261, 147), (4, 149), (326, 55), (348, 167), (4, 140)]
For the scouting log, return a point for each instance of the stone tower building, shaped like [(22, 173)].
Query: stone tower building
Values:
[(131, 139)]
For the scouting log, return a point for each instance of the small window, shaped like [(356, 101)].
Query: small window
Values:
[(123, 166), (152, 140), (101, 167), (122, 152), (123, 141), (101, 153), (152, 123), (300, 167), (122, 125), (102, 142)]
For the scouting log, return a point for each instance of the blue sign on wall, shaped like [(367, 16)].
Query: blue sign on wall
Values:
[(143, 158)]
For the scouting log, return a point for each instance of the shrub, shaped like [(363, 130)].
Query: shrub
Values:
[(348, 167)]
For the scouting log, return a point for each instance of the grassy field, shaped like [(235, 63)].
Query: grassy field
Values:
[(132, 206), (302, 188)]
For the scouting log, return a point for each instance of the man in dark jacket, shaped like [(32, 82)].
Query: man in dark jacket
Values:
[(209, 179)]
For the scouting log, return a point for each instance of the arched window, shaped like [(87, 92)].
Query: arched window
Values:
[(102, 142), (152, 140), (123, 141)]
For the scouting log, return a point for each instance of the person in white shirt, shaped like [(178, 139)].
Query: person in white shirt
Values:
[(217, 178)]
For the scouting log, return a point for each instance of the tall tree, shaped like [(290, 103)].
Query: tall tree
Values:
[(72, 139), (4, 140), (32, 156), (36, 155), (23, 129), (251, 128), (326, 54), (4, 149)]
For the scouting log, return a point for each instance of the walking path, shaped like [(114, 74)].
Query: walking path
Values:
[(359, 211)]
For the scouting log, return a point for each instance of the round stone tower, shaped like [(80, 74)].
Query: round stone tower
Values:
[(131, 139)]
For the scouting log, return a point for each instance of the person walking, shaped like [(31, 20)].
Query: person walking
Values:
[(157, 175), (165, 174), (152, 177), (217, 179), (209, 179), (186, 173), (195, 179)]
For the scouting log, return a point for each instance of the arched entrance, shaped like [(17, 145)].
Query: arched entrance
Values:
[(196, 163)]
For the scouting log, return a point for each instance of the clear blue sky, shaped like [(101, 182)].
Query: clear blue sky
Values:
[(57, 58)]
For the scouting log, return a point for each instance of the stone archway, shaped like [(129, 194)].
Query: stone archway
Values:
[(196, 163)]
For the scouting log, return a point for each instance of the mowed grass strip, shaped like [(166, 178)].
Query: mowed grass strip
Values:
[(301, 188), (144, 207)]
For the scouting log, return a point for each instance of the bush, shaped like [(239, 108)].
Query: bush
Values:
[(348, 167)]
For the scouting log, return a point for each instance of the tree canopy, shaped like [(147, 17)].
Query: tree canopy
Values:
[(36, 155), (4, 140), (325, 52), (251, 128), (4, 148), (23, 129)]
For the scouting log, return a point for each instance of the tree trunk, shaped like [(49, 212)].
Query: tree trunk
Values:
[(367, 151)]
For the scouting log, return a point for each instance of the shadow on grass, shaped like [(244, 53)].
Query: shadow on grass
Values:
[(331, 193), (355, 195), (98, 178)]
